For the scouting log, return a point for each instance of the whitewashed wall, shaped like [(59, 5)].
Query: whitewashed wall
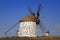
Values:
[(27, 29)]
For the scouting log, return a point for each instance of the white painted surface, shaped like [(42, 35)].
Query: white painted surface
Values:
[(46, 34), (27, 29)]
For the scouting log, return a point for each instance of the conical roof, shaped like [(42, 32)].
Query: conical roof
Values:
[(29, 17)]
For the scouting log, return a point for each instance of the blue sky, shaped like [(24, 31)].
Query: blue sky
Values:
[(11, 11)]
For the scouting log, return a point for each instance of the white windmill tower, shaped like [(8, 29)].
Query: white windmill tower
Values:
[(27, 25)]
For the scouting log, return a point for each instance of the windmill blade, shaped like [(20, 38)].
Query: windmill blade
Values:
[(12, 27), (43, 17), (42, 26), (38, 11), (30, 10)]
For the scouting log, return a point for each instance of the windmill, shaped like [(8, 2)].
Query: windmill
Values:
[(27, 25)]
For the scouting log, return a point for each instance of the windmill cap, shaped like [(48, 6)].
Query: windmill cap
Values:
[(47, 32), (29, 17)]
